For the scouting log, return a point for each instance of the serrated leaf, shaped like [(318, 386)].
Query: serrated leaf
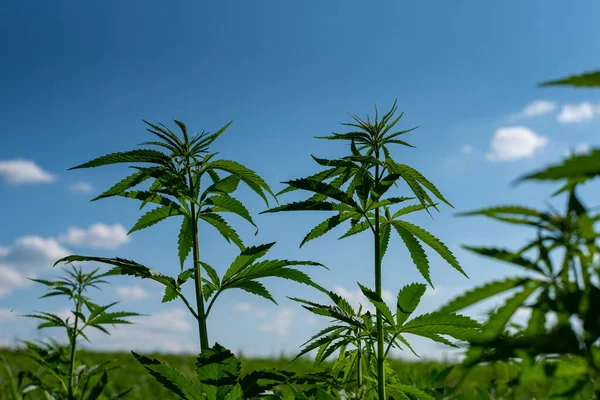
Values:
[(481, 293), (507, 256), (170, 378), (218, 371), (155, 216), (325, 227), (224, 202), (588, 79), (324, 189), (415, 249), (379, 304), (185, 240), (143, 156), (434, 243), (249, 177), (223, 227), (409, 298), (125, 184)]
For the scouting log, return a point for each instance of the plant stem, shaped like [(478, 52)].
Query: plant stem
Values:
[(201, 317), (198, 278), (378, 290), (74, 344), (359, 377)]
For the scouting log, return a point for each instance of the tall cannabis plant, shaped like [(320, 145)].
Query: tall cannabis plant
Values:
[(178, 166), (369, 172)]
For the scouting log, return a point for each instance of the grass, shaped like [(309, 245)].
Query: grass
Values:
[(131, 373)]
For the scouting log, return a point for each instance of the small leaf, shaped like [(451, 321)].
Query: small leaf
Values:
[(154, 216), (170, 378), (185, 239), (409, 298)]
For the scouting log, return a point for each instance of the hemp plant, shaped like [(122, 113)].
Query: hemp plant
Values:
[(353, 327), (70, 380), (177, 171), (370, 171), (176, 187)]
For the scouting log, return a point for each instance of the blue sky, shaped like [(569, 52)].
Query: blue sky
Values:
[(77, 78)]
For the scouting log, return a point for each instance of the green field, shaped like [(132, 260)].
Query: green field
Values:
[(129, 373)]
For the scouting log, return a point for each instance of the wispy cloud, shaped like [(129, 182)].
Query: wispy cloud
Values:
[(514, 143), (249, 308), (27, 257), (574, 113), (131, 292), (534, 109), (466, 149), (280, 324), (81, 187), (20, 172), (99, 236)]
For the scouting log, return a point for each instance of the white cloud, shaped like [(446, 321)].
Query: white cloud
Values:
[(131, 292), (81, 187), (280, 324), (11, 279), (32, 253), (244, 307), (357, 297), (99, 236), (534, 109), (173, 320), (573, 113), (249, 308), (516, 142), (466, 149), (28, 256), (18, 172)]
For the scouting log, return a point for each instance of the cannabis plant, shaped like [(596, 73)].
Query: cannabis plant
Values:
[(177, 168), (353, 187), (69, 379), (176, 187), (352, 327)]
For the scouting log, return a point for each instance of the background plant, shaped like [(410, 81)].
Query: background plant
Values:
[(355, 192), (566, 264), (354, 328), (61, 376)]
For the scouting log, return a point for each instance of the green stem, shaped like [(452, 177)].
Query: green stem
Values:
[(359, 368), (202, 331), (378, 290), (74, 345), (198, 278)]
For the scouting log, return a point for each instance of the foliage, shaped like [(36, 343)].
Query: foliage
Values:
[(355, 192), (177, 189), (178, 166), (61, 377), (357, 329)]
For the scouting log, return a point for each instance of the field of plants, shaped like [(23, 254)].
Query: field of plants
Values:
[(369, 192)]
